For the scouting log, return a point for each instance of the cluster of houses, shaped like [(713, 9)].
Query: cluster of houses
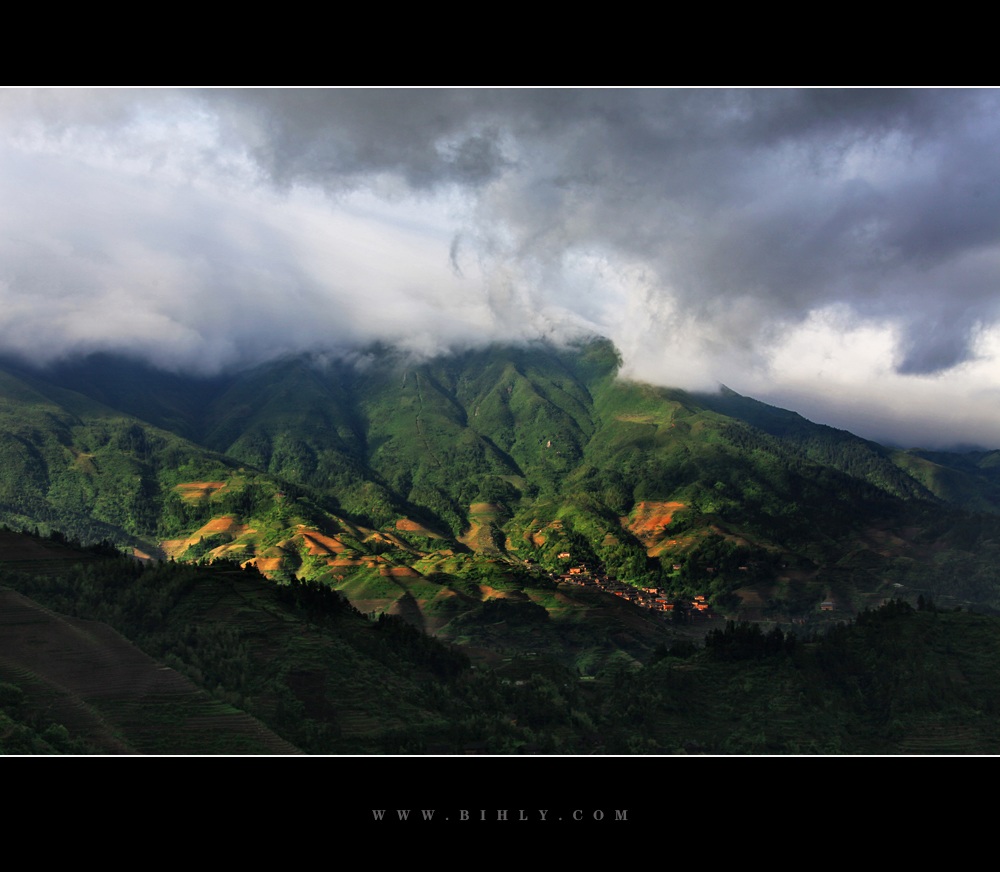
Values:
[(650, 598)]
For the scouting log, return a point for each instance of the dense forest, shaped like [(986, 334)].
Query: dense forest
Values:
[(329, 679)]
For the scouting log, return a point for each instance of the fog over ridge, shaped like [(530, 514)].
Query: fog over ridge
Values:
[(836, 251)]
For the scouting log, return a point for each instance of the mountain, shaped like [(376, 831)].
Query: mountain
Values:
[(377, 524), (431, 488)]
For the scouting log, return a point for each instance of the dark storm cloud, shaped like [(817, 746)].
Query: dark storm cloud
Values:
[(700, 229), (340, 138)]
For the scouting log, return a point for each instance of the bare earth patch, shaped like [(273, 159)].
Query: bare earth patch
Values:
[(398, 571), (391, 539), (488, 592), (174, 547), (317, 543), (198, 490), (540, 531), (225, 524), (407, 525), (648, 522), (148, 556), (477, 536)]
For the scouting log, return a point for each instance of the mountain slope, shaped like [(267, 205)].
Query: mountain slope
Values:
[(399, 481), (113, 698), (896, 680)]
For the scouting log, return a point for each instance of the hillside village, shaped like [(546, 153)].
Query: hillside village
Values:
[(652, 598)]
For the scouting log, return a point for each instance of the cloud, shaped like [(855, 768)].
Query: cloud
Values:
[(705, 231)]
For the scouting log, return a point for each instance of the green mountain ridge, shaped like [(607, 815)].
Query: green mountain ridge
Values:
[(404, 484)]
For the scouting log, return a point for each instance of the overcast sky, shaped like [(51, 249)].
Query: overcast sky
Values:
[(836, 252)]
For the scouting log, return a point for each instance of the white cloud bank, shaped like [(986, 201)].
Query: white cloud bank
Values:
[(837, 252)]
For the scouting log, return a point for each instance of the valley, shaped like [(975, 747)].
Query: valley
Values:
[(521, 507)]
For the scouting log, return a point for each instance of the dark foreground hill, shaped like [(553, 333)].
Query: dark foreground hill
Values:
[(232, 663), (101, 694), (297, 657)]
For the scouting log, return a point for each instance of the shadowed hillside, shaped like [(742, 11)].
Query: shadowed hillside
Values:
[(112, 698), (230, 662)]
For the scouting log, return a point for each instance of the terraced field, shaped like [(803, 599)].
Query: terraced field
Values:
[(106, 691), (649, 521), (938, 735)]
